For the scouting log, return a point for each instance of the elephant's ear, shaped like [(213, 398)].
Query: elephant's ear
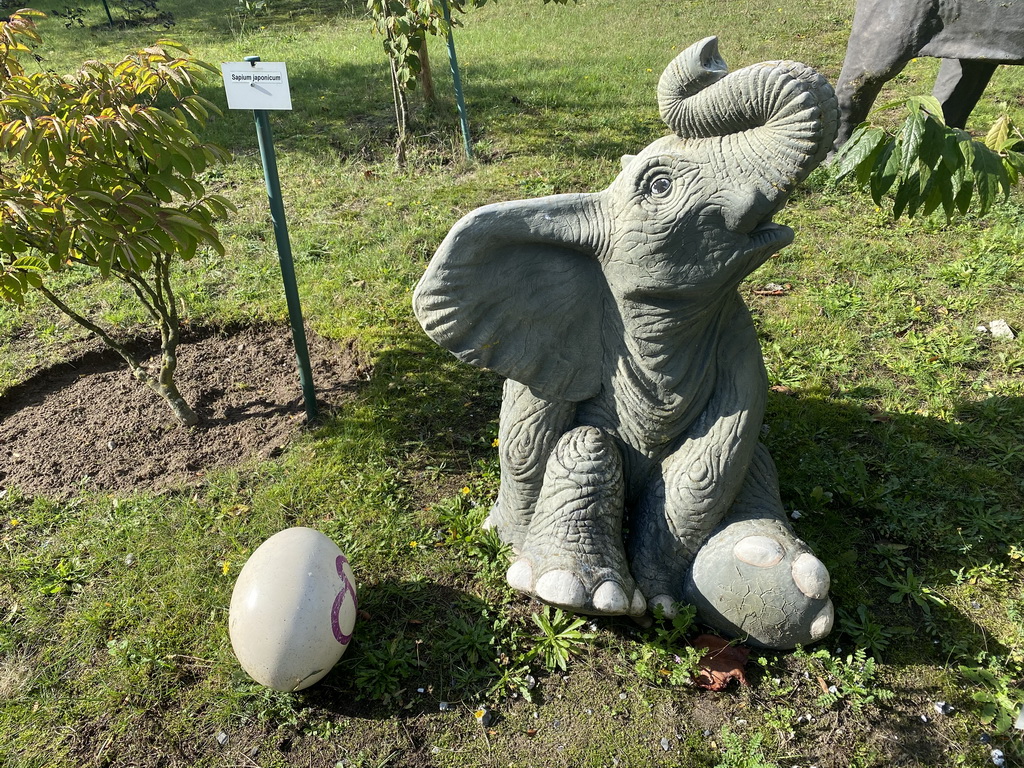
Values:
[(507, 292)]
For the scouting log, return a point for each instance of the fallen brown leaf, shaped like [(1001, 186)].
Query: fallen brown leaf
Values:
[(721, 663)]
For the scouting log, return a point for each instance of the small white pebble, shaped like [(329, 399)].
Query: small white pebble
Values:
[(1000, 329)]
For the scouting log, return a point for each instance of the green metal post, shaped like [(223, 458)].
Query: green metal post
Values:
[(460, 102), (284, 253)]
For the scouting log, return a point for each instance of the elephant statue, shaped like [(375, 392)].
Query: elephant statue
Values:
[(972, 37), (632, 476)]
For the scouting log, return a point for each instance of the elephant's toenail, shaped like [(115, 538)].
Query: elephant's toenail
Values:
[(610, 598), (822, 623), (668, 605), (811, 576), (762, 551), (520, 575), (639, 605), (562, 588)]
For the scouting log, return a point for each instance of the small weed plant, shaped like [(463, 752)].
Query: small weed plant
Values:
[(999, 701), (560, 637), (667, 658), (383, 670), (740, 751), (908, 587), (867, 633), (849, 680)]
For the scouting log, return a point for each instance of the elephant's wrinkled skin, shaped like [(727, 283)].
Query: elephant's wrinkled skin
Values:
[(972, 37), (636, 387)]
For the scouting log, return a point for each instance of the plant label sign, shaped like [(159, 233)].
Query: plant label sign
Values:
[(256, 85)]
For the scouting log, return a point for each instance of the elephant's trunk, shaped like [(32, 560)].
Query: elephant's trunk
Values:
[(777, 119)]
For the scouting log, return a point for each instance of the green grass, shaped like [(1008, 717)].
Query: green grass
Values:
[(896, 428)]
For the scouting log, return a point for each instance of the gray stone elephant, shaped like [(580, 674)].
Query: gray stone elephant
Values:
[(972, 37), (631, 471)]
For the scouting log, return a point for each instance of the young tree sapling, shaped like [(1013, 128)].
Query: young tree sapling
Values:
[(102, 171)]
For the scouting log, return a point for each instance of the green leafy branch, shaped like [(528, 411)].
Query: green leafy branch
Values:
[(102, 172), (925, 165)]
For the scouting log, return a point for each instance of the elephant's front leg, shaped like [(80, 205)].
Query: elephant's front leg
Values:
[(573, 556), (528, 429), (698, 482)]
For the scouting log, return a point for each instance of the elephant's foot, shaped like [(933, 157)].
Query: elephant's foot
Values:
[(573, 556), (754, 579)]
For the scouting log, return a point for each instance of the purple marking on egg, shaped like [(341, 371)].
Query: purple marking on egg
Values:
[(346, 588)]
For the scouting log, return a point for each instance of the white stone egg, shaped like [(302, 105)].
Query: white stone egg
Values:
[(293, 609)]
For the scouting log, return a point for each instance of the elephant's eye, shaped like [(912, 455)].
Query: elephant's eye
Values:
[(661, 186)]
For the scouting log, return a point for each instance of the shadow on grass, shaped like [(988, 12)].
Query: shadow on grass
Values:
[(419, 648), (901, 508), (428, 405)]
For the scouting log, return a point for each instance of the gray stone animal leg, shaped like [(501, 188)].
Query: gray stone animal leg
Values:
[(860, 82), (528, 429), (958, 87), (754, 579), (884, 37), (573, 556)]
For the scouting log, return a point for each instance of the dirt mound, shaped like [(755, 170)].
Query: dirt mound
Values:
[(88, 424)]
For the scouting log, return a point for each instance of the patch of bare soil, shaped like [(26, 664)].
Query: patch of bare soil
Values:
[(88, 424)]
